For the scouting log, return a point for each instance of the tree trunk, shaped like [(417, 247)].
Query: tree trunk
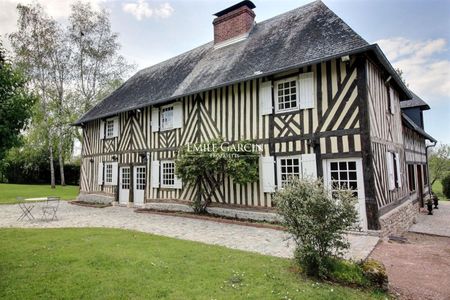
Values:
[(52, 167), (61, 160)]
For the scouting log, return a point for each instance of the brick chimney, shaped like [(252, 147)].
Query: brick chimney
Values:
[(234, 23)]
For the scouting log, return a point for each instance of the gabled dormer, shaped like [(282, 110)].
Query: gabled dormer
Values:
[(414, 109)]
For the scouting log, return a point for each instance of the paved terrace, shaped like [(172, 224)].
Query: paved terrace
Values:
[(261, 240), (437, 224)]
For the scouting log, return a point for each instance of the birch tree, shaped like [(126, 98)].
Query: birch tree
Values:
[(32, 45)]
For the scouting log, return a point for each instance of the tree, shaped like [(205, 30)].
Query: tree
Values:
[(401, 75), (439, 162), (206, 165), (34, 45), (67, 65), (317, 222), (16, 102), (96, 60)]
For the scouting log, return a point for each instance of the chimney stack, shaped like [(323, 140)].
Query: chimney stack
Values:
[(234, 23)]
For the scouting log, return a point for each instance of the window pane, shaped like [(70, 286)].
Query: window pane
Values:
[(352, 165), (334, 166)]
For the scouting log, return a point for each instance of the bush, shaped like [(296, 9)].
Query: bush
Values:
[(317, 222), (446, 186), (375, 272)]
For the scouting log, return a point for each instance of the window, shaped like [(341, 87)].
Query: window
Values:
[(168, 173), (110, 128), (391, 100), (289, 168), (108, 173), (411, 178), (394, 170), (167, 118), (396, 175), (298, 166), (140, 178), (125, 178), (343, 175), (286, 95)]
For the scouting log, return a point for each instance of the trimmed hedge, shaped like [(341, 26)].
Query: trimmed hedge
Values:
[(22, 172)]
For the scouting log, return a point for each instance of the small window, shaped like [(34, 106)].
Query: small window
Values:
[(168, 173), (286, 95), (109, 128), (108, 173), (167, 118), (391, 100), (411, 178), (289, 168)]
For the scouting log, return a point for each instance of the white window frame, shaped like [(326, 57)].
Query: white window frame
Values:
[(279, 174), (163, 162), (109, 128), (109, 181), (297, 94), (108, 123), (164, 126)]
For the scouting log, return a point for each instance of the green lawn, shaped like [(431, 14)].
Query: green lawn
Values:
[(437, 188), (9, 192), (119, 264)]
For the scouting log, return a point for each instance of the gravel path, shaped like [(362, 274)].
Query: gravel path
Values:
[(418, 270), (261, 240)]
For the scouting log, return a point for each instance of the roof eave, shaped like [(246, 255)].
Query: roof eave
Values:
[(410, 123)]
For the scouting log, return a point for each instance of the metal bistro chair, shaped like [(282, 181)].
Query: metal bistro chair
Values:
[(26, 209), (50, 208)]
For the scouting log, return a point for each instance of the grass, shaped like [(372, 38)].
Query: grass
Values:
[(119, 264), (437, 188), (9, 192)]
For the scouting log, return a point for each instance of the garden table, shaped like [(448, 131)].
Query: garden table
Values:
[(27, 205)]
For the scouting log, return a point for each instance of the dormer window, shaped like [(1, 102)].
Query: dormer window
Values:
[(286, 94), (167, 118), (109, 128)]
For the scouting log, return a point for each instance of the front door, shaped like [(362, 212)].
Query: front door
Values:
[(140, 181), (347, 173), (124, 188)]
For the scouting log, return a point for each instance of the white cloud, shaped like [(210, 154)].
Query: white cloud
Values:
[(425, 65), (142, 9)]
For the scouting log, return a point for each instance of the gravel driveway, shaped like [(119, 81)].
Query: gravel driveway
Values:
[(261, 240)]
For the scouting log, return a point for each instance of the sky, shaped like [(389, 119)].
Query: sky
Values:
[(414, 35)]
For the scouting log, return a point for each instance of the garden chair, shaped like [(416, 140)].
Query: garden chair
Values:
[(26, 209), (50, 208)]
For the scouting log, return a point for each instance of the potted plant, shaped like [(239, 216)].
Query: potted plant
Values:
[(430, 206), (435, 200)]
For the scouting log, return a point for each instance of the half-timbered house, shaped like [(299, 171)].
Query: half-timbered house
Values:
[(318, 98)]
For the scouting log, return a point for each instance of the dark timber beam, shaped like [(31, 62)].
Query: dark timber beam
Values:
[(366, 147)]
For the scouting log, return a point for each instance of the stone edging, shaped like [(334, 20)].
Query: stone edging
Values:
[(213, 218)]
